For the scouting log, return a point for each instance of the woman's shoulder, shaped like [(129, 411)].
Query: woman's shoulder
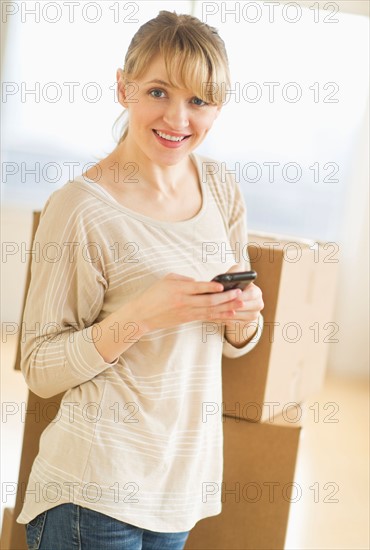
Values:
[(215, 171), (222, 183), (209, 165), (69, 203)]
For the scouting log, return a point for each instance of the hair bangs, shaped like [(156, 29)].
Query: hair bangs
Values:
[(192, 70), (191, 62)]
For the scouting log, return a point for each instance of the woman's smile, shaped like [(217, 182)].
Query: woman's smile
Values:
[(169, 139)]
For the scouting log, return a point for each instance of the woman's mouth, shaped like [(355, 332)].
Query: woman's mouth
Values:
[(170, 140)]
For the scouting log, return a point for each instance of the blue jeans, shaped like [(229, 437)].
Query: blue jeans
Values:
[(72, 527)]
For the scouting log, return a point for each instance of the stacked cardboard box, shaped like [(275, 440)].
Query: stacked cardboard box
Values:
[(297, 279), (263, 392), (257, 487)]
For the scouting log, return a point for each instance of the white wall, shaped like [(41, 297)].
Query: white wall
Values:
[(351, 353)]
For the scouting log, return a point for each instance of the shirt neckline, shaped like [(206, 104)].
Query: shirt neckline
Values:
[(107, 197)]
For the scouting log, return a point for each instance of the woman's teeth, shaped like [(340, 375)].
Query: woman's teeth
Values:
[(170, 138)]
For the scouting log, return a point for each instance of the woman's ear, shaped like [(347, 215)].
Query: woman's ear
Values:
[(121, 95)]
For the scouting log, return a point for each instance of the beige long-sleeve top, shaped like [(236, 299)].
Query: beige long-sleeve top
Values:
[(139, 439)]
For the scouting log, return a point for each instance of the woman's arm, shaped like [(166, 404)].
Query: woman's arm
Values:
[(64, 299)]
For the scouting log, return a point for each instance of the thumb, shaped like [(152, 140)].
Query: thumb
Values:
[(234, 269)]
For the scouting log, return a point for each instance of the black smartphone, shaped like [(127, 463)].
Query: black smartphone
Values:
[(240, 279)]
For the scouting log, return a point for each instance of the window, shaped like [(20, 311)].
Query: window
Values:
[(291, 127)]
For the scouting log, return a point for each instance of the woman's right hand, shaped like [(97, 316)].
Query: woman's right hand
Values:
[(176, 299)]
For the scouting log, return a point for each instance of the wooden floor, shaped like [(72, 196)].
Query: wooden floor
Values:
[(333, 470), (332, 474)]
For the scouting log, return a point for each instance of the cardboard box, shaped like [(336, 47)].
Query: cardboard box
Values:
[(298, 282), (39, 413), (6, 529), (259, 464)]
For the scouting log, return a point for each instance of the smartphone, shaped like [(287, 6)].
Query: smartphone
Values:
[(240, 279)]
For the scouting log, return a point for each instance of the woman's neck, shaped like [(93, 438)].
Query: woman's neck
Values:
[(162, 179)]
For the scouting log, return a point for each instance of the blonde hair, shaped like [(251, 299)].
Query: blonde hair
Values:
[(194, 54)]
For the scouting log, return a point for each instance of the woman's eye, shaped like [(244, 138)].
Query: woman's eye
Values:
[(198, 101), (156, 93)]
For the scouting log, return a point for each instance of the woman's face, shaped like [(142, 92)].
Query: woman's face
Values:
[(165, 123)]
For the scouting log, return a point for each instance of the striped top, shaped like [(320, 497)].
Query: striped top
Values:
[(139, 439)]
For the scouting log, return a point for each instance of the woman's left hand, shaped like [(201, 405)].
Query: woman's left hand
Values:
[(246, 306), (244, 311)]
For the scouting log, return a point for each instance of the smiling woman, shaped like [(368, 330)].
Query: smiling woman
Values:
[(139, 329)]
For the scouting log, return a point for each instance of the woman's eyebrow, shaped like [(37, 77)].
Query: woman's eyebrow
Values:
[(160, 82)]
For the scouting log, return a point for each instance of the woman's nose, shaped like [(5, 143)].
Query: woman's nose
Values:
[(176, 116)]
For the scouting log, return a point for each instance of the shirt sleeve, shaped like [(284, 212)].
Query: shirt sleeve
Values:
[(238, 237), (232, 352), (64, 298)]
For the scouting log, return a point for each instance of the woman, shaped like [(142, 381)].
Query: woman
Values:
[(130, 324)]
